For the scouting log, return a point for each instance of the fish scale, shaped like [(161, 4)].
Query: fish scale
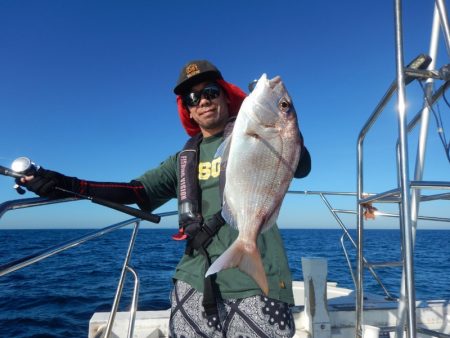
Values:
[(263, 152)]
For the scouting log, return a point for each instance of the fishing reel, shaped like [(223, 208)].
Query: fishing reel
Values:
[(23, 166)]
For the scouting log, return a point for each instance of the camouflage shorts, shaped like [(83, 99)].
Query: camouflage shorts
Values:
[(252, 317)]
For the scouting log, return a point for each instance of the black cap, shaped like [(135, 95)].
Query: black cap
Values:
[(194, 72)]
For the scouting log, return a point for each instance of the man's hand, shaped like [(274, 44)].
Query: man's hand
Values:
[(43, 183)]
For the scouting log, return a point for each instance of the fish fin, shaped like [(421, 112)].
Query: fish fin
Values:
[(223, 150), (247, 258), (227, 214)]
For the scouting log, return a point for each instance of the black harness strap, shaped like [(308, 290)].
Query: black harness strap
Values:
[(198, 233), (199, 242), (207, 231)]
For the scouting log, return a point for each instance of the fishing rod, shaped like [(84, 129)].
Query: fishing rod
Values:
[(23, 166)]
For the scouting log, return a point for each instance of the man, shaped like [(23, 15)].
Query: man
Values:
[(229, 304)]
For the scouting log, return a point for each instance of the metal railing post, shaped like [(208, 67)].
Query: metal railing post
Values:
[(115, 305), (404, 184)]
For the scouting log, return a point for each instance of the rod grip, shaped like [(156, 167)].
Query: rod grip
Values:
[(8, 172), (128, 210)]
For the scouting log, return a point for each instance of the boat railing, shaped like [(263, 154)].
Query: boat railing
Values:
[(370, 197), (51, 251), (407, 194), (388, 197), (346, 234)]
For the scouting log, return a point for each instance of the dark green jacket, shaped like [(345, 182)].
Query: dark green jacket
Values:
[(161, 185)]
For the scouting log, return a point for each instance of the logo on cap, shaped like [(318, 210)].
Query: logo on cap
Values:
[(192, 70)]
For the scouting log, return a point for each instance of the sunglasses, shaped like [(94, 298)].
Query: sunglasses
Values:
[(210, 92)]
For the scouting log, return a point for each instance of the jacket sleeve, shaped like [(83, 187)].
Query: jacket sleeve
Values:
[(160, 183), (123, 193), (149, 191)]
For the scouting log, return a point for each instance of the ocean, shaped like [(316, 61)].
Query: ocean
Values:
[(57, 297)]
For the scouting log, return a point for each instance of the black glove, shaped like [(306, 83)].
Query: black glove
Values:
[(45, 181)]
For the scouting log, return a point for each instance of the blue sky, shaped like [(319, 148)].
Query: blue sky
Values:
[(86, 89)]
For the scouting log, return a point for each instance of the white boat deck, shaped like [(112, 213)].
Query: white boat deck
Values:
[(378, 312)]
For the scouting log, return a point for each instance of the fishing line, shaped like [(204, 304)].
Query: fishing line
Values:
[(438, 118)]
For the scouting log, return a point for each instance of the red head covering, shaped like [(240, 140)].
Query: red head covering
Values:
[(235, 96)]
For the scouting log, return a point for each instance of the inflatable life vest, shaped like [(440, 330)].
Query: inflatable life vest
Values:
[(192, 226)]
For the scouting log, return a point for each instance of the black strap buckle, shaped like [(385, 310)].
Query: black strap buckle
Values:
[(207, 230)]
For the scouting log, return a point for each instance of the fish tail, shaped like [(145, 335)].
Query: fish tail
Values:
[(246, 258)]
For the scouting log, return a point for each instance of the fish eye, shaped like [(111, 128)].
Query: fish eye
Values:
[(284, 105)]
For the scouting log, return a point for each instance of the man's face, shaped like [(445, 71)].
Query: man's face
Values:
[(211, 114)]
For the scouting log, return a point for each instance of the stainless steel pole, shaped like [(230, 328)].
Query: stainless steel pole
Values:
[(116, 301), (420, 160), (440, 4), (404, 184)]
